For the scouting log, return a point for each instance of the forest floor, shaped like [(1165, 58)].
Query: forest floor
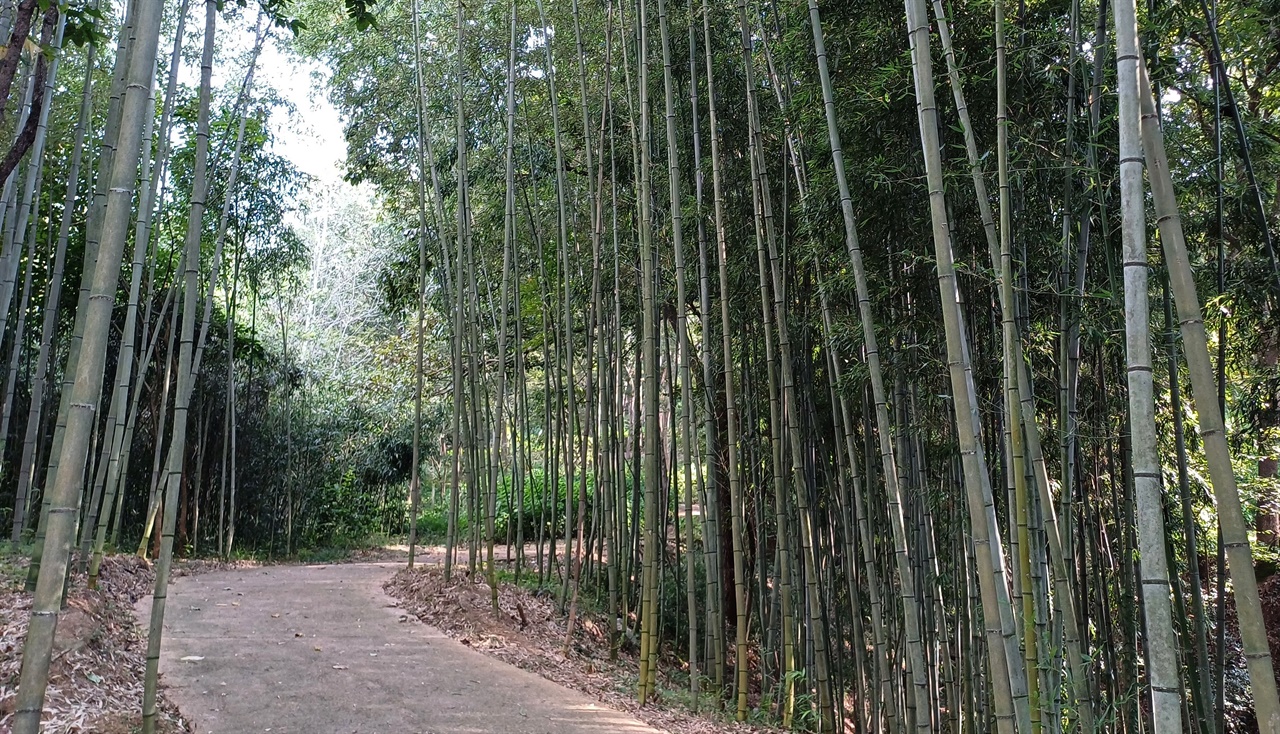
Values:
[(529, 632), (95, 682), (339, 648)]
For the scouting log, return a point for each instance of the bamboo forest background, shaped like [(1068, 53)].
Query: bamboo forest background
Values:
[(839, 354)]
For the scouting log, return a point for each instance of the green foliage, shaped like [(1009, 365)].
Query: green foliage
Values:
[(361, 11), (544, 505), (278, 11), (84, 25), (347, 511), (433, 522), (13, 564), (543, 509), (324, 364)]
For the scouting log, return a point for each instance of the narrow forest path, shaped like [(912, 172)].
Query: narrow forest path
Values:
[(323, 650)]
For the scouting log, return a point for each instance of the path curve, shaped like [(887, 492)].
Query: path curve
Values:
[(324, 650)]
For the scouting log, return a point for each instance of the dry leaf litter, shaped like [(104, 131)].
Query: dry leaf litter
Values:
[(529, 633), (95, 681)]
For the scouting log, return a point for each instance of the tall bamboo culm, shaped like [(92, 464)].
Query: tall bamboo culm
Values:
[(1204, 387), (87, 389), (1003, 652)]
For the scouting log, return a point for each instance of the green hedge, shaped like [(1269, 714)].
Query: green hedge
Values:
[(543, 506)]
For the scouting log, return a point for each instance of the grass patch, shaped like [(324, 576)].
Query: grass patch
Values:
[(339, 549), (13, 564)]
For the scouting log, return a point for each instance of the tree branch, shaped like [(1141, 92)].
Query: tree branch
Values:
[(13, 52), (27, 136)]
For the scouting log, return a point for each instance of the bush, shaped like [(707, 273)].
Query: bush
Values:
[(433, 522), (349, 511), (542, 508)]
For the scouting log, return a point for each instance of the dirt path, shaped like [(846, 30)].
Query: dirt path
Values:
[(323, 650)]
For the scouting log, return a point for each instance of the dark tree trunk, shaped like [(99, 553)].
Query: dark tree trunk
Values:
[(1267, 521)]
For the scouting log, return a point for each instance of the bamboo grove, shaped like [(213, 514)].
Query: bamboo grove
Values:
[(680, 256), (869, 367)]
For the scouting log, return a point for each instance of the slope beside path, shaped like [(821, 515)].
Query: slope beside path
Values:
[(324, 650)]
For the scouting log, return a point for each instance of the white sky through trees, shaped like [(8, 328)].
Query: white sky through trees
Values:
[(311, 134), (312, 139)]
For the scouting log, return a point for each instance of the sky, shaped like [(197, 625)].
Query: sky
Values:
[(312, 138)]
